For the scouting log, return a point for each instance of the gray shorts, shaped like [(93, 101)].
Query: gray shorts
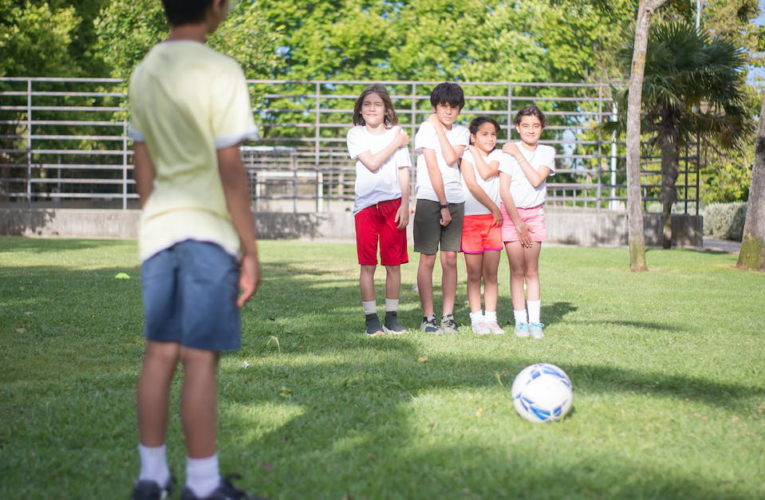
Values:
[(189, 296), (429, 234)]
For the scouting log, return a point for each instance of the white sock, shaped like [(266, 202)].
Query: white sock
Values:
[(369, 307), (520, 316), (476, 317), (535, 310), (490, 316), (154, 464), (391, 305), (202, 475)]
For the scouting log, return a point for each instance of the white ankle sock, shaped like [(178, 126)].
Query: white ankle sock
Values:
[(535, 310), (391, 305), (202, 475), (154, 464), (520, 316), (476, 317), (369, 307), (490, 316)]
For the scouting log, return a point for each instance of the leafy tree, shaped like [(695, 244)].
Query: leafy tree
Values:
[(693, 88)]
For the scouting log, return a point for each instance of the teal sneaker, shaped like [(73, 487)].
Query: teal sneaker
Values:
[(522, 330), (535, 329)]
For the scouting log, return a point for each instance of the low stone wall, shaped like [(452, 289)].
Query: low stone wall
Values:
[(567, 226)]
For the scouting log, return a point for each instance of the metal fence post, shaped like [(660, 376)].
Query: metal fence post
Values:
[(124, 164), (29, 141), (509, 110), (316, 151), (413, 178), (600, 148)]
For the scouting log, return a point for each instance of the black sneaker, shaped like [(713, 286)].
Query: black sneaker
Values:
[(225, 491), (373, 326), (429, 325), (392, 325), (151, 490), (448, 325)]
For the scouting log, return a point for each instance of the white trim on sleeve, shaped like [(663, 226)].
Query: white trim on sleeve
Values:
[(135, 135), (230, 140)]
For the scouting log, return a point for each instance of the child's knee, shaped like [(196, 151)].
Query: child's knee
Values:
[(449, 259)]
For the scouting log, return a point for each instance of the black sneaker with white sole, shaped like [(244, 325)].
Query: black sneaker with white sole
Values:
[(392, 324), (225, 491), (151, 490), (373, 326)]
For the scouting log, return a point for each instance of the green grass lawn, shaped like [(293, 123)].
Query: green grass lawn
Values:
[(668, 369)]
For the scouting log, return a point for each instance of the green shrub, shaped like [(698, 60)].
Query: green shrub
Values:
[(725, 220)]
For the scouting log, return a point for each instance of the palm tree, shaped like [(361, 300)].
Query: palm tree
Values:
[(693, 87)]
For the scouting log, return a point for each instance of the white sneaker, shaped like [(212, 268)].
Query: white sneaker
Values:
[(481, 328), (495, 328)]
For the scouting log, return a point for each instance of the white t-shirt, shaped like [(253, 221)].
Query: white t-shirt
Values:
[(428, 138), (382, 184), (524, 194), (490, 186)]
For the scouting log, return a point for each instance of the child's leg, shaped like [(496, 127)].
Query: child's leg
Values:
[(448, 281), (490, 285), (392, 283), (199, 401), (531, 265), (425, 282), (367, 286), (515, 255), (474, 265)]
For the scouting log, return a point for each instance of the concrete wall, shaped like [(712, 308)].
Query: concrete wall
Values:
[(567, 226)]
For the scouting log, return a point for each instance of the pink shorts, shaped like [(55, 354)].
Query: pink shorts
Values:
[(534, 217)]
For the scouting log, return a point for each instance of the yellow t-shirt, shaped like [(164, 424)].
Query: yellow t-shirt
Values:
[(187, 101)]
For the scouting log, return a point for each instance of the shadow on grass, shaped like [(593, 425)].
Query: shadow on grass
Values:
[(52, 245)]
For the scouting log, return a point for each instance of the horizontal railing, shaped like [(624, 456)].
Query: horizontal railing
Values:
[(63, 141)]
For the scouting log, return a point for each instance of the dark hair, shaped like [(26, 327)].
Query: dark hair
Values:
[(480, 120), (390, 117), (530, 110), (448, 93), (180, 12)]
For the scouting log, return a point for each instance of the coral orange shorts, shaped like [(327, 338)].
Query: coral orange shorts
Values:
[(534, 217), (479, 234)]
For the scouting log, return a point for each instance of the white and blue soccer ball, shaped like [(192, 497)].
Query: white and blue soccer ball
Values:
[(542, 393)]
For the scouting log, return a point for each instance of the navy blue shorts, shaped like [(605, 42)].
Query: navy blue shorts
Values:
[(189, 296)]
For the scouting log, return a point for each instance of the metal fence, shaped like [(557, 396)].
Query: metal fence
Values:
[(63, 142)]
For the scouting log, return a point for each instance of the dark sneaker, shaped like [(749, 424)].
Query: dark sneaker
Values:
[(448, 325), (373, 326), (429, 325), (225, 491), (392, 325), (151, 490)]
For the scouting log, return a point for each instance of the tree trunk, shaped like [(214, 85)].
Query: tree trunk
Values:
[(669, 140), (752, 254), (634, 195)]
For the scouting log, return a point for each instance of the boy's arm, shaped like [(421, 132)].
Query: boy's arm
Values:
[(402, 216), (451, 154), (144, 172), (485, 170), (479, 194), (376, 160), (535, 177), (438, 183), (236, 189), (512, 211)]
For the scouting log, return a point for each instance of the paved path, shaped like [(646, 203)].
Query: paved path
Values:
[(721, 245)]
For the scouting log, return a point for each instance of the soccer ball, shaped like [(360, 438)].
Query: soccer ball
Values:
[(542, 393)]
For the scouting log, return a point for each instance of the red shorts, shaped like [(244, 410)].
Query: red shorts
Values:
[(534, 217), (479, 234), (377, 223)]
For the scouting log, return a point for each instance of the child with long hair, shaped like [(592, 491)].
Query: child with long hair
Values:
[(381, 209), (481, 230), (523, 188)]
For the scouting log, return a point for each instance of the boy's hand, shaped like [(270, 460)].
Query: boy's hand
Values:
[(249, 278), (402, 137), (433, 120), (446, 216), (497, 216), (511, 148), (402, 217)]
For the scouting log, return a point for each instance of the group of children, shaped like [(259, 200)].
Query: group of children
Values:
[(470, 197), (190, 112)]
